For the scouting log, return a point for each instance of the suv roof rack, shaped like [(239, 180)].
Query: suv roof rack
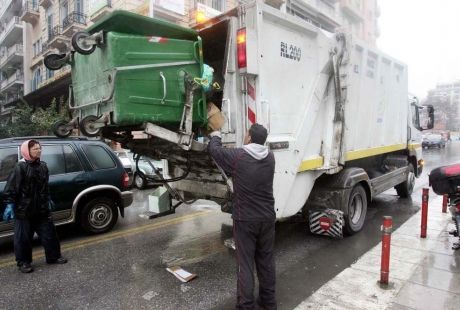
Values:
[(8, 140)]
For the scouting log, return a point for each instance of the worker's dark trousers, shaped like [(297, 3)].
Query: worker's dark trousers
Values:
[(255, 243), (23, 236)]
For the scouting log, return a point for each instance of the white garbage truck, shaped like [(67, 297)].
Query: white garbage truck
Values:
[(340, 122)]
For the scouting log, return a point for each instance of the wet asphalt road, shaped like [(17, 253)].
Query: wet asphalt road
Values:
[(125, 269)]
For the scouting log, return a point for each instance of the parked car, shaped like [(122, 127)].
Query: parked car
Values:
[(87, 182), (433, 140), (144, 173), (128, 163)]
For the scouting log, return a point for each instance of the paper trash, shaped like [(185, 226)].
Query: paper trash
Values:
[(181, 274)]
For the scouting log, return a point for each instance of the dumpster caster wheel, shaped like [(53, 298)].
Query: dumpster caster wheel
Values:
[(54, 61), (62, 129), (79, 44), (87, 126)]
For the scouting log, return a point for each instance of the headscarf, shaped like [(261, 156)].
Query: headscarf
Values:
[(25, 150)]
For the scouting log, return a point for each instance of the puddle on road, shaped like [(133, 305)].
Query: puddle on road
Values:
[(192, 251)]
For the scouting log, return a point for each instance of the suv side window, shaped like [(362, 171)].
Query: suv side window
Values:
[(8, 160), (99, 157), (72, 164), (54, 158)]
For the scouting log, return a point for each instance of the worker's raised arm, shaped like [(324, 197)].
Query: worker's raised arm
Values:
[(225, 158)]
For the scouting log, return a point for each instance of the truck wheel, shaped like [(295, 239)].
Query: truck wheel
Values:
[(99, 215), (79, 44), (356, 210), (87, 126), (405, 189), (139, 181)]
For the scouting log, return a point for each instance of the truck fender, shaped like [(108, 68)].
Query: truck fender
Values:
[(331, 191)]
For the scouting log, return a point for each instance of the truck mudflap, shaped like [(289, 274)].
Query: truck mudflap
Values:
[(326, 222)]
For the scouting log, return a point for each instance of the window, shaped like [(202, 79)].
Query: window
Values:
[(72, 164), (37, 79), (99, 157), (8, 160), (49, 73), (49, 22), (64, 12), (53, 156), (218, 5)]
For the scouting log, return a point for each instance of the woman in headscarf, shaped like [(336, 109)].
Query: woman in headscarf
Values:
[(27, 194)]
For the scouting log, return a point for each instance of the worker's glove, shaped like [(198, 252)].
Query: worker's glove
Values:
[(215, 133), (8, 214), (51, 205)]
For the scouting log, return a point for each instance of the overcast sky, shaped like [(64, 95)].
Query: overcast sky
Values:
[(425, 34)]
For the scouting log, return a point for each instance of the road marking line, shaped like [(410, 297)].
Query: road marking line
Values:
[(110, 236)]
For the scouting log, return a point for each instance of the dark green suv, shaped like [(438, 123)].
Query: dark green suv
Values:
[(87, 181)]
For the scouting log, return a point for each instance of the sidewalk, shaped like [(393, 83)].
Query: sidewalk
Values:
[(424, 273)]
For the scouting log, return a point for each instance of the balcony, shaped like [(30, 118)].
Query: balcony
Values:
[(9, 8), (58, 75), (12, 32), (46, 49), (13, 83), (73, 23), (30, 13), (12, 57), (353, 9), (56, 39), (100, 11), (45, 3)]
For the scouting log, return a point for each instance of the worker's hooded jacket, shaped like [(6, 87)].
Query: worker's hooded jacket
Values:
[(252, 169)]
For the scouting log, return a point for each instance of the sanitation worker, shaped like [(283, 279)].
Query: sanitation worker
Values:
[(27, 200), (252, 169)]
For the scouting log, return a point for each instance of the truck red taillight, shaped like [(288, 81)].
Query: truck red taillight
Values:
[(125, 180), (241, 47)]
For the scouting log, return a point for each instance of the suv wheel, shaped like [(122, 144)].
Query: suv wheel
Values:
[(139, 181), (99, 215)]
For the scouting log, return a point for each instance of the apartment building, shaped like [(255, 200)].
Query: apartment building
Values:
[(356, 16), (446, 101), (11, 56)]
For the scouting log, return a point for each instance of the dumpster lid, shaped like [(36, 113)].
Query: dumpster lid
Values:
[(127, 22)]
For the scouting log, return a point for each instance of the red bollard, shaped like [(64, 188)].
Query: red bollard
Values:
[(444, 203), (424, 212), (386, 242)]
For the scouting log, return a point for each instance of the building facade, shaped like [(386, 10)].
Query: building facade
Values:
[(446, 101), (359, 17), (11, 56)]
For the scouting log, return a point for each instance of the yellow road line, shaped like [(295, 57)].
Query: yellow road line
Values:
[(110, 236)]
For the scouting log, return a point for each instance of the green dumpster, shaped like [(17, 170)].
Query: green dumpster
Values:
[(137, 74)]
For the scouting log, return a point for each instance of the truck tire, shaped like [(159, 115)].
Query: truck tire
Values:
[(98, 215), (405, 189), (356, 210)]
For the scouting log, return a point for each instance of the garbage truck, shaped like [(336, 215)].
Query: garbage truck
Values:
[(341, 124)]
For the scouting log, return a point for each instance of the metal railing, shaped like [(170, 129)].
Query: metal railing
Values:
[(17, 48), (18, 76), (30, 6), (74, 18), (56, 31), (7, 26)]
